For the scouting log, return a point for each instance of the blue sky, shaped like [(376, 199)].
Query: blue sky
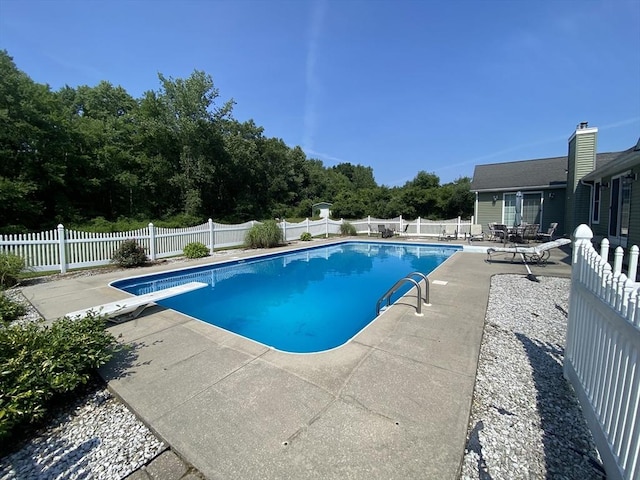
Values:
[(400, 86)]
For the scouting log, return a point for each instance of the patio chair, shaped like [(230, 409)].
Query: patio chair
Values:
[(530, 232), (384, 231), (501, 232), (549, 235), (449, 232), (538, 254), (475, 232), (491, 227)]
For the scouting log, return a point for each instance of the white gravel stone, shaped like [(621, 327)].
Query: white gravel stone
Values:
[(525, 419)]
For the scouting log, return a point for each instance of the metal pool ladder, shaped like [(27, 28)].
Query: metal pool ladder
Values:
[(401, 282)]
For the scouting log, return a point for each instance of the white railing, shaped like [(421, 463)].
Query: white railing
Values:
[(62, 249), (602, 356)]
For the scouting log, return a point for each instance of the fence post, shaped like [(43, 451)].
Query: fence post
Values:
[(307, 220), (418, 226), (617, 261), (368, 225), (604, 249), (62, 249), (326, 227), (400, 226), (458, 226), (211, 237), (284, 229), (152, 242), (582, 235)]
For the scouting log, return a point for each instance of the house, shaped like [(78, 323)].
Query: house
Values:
[(582, 187), (321, 209)]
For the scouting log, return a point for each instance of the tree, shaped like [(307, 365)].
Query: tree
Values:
[(32, 148)]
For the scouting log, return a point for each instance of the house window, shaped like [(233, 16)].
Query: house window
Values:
[(595, 207)]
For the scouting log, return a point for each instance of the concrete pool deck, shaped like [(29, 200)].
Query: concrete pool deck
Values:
[(392, 403)]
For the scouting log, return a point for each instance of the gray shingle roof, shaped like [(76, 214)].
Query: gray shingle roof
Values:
[(624, 161), (540, 173)]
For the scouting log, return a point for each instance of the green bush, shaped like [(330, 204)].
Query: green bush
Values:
[(9, 310), (40, 364), (195, 250), (264, 235), (10, 267), (347, 229), (305, 237), (129, 254)]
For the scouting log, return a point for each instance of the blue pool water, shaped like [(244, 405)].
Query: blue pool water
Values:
[(301, 302)]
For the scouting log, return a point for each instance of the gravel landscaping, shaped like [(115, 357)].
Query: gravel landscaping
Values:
[(526, 421)]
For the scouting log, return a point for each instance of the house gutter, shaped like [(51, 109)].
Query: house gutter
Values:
[(522, 189)]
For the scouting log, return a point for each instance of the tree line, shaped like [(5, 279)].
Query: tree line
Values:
[(76, 154)]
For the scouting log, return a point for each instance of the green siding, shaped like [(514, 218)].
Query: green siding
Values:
[(488, 211), (553, 211)]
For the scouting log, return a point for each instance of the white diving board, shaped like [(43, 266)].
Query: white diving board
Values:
[(132, 307)]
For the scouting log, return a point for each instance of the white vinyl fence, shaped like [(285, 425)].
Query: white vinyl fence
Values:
[(602, 357), (62, 249)]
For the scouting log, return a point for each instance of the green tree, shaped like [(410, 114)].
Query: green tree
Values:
[(32, 148)]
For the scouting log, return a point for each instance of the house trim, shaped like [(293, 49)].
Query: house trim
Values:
[(522, 189)]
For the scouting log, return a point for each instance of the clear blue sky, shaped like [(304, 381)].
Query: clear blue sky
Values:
[(399, 85)]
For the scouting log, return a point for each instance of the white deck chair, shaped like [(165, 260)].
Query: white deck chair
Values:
[(538, 254)]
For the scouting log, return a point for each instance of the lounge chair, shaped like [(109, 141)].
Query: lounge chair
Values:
[(538, 254), (549, 235), (475, 233)]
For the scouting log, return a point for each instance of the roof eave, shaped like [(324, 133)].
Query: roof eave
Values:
[(521, 188)]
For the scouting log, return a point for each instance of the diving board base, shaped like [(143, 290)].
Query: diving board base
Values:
[(129, 308)]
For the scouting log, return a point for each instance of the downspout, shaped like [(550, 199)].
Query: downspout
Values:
[(475, 208)]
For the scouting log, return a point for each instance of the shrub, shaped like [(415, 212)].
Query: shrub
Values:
[(9, 310), (305, 237), (10, 267), (195, 250), (264, 235), (129, 254), (347, 229), (40, 364)]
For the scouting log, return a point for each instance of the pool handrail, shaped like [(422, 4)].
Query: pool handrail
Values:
[(398, 284)]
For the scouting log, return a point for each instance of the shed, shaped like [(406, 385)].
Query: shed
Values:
[(322, 209)]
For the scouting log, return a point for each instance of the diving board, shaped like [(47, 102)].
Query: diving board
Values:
[(133, 306)]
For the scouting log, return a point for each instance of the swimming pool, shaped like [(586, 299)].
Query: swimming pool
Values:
[(305, 301)]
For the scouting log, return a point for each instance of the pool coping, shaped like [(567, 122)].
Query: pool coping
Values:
[(393, 404)]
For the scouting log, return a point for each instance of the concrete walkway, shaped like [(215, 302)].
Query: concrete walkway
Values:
[(393, 403)]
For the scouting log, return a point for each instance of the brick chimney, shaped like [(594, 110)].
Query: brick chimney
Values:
[(581, 161)]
